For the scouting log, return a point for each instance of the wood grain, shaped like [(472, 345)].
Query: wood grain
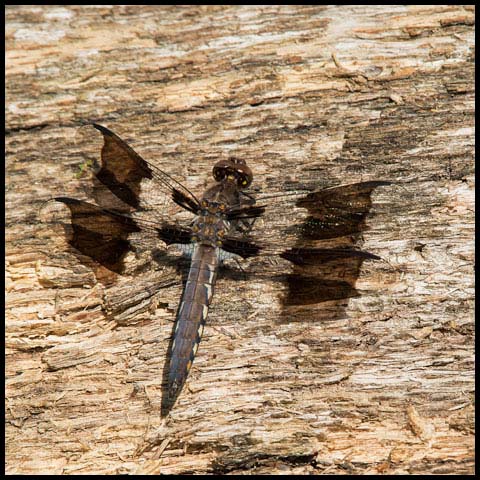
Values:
[(324, 95)]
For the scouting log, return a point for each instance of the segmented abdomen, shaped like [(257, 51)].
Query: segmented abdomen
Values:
[(192, 314)]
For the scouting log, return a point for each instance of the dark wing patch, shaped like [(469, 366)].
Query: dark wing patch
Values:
[(321, 275), (185, 201), (338, 211), (252, 211), (103, 234), (123, 170), (320, 256), (171, 234), (243, 248), (304, 290), (329, 274), (324, 258), (100, 234)]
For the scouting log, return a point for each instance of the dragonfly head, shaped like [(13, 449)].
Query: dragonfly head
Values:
[(234, 169)]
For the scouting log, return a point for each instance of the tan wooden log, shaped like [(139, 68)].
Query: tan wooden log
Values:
[(325, 95)]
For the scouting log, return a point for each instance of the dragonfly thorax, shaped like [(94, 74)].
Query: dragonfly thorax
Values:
[(210, 226)]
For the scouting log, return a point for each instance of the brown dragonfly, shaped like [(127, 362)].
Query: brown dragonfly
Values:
[(223, 227)]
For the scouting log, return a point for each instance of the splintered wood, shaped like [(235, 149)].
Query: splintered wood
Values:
[(309, 96)]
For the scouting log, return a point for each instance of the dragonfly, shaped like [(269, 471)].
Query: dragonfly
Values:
[(223, 228)]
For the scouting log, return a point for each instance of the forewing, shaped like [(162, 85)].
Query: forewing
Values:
[(337, 211), (133, 180), (309, 216)]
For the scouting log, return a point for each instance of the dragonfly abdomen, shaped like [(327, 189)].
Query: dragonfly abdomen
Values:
[(192, 314)]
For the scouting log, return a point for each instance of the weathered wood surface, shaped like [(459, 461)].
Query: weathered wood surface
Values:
[(324, 94)]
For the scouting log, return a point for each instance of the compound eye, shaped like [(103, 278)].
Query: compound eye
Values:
[(243, 181), (219, 173)]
